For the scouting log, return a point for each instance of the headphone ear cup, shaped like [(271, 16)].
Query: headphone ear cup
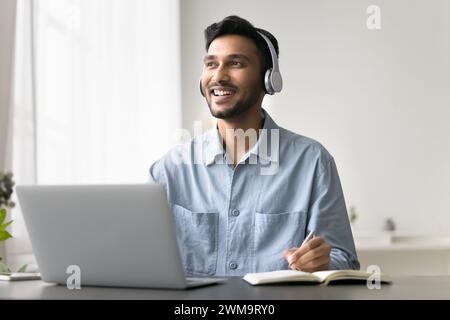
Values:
[(276, 82), (201, 88), (268, 82)]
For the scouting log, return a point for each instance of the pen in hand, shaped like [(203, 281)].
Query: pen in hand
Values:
[(308, 237)]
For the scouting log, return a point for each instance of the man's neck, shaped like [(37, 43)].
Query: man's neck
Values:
[(228, 129)]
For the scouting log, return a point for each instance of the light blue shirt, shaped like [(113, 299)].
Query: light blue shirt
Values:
[(231, 220)]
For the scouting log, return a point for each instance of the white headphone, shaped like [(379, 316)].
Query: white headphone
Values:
[(273, 82), (272, 79)]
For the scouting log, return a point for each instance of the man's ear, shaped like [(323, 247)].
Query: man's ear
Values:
[(201, 88)]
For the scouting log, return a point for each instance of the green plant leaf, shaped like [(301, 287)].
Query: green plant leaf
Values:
[(4, 235), (5, 225), (4, 268), (2, 215), (23, 268)]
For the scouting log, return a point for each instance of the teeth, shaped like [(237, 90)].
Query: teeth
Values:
[(222, 93)]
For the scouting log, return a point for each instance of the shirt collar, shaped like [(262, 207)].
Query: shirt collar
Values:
[(214, 152), (214, 147)]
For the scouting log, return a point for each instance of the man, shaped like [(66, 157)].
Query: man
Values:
[(241, 209)]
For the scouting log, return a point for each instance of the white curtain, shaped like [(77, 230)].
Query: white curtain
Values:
[(7, 24), (97, 93)]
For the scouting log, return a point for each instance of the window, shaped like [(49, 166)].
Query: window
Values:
[(107, 88), (97, 92)]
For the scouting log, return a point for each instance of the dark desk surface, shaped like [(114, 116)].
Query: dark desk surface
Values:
[(419, 287)]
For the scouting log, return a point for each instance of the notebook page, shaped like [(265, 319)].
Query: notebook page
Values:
[(278, 276), (342, 274), (281, 274), (322, 275)]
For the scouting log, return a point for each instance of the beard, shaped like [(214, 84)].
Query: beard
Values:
[(240, 107)]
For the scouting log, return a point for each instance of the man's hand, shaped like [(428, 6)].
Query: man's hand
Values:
[(313, 256)]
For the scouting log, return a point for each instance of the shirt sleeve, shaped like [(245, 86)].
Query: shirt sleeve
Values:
[(156, 174), (328, 217)]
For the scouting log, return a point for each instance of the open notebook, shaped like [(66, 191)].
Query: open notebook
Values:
[(320, 277)]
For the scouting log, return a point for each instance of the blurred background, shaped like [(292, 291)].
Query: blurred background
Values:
[(95, 91)]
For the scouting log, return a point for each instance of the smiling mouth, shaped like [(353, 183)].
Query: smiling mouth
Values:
[(222, 96), (220, 93)]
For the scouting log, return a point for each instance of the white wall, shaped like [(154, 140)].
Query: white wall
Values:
[(378, 100)]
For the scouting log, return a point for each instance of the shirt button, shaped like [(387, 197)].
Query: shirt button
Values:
[(235, 212), (233, 265)]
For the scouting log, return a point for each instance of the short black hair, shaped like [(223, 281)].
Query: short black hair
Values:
[(239, 26)]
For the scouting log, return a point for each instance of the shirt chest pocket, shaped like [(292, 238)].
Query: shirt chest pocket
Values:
[(197, 239), (274, 233)]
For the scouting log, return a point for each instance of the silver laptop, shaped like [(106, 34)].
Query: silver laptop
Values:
[(117, 235)]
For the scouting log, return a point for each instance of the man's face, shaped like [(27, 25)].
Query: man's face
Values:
[(231, 78)]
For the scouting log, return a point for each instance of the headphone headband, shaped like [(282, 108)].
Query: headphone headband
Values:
[(273, 52)]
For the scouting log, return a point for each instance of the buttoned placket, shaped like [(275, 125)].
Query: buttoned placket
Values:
[(230, 263)]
